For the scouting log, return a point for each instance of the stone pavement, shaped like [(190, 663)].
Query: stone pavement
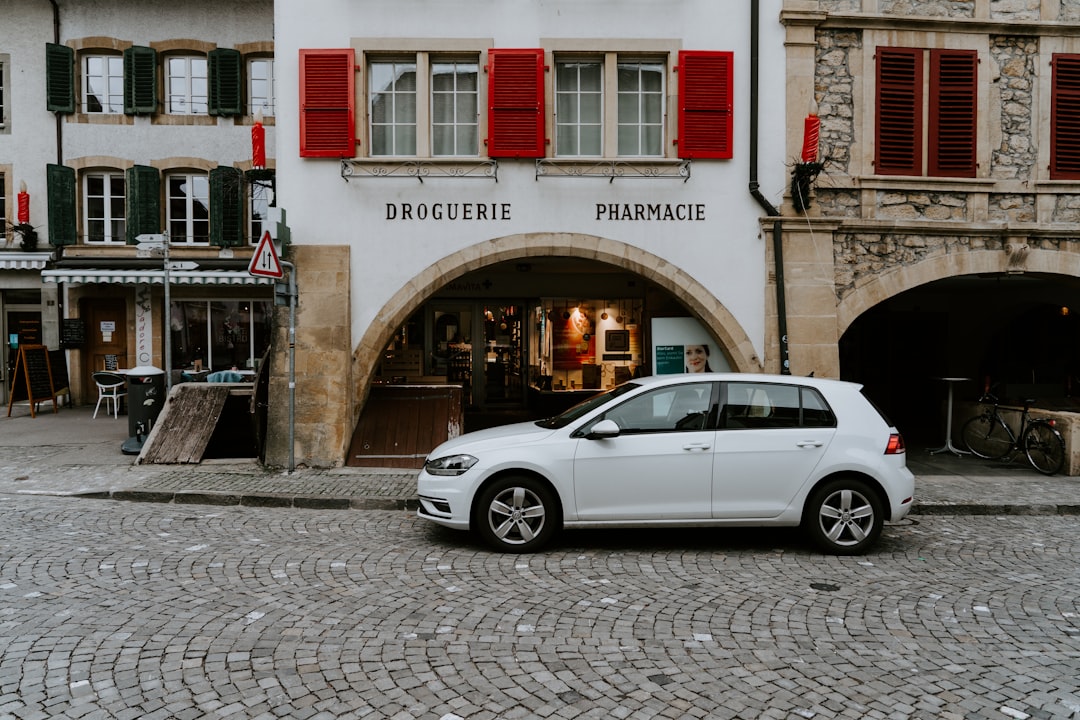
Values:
[(71, 453)]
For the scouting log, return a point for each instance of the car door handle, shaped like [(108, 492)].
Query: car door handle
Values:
[(696, 446), (810, 443)]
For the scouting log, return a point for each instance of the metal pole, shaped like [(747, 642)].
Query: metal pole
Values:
[(292, 363), (167, 330)]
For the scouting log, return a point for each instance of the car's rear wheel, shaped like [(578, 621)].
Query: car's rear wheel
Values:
[(516, 514), (844, 517)]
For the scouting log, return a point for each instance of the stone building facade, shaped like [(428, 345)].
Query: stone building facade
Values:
[(971, 255)]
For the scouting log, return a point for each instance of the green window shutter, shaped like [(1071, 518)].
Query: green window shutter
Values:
[(143, 202), (61, 184), (226, 207), (140, 80), (59, 78), (226, 97)]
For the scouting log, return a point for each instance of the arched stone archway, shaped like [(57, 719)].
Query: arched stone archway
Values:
[(1016, 258), (683, 287)]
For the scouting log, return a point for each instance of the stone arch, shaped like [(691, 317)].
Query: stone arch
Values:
[(686, 289), (1015, 258)]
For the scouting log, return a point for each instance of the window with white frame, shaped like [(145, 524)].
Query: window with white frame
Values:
[(392, 98), (261, 87), (455, 126), (103, 207), (579, 106), (186, 85), (103, 84), (584, 116), (424, 104), (187, 204), (261, 198), (641, 108)]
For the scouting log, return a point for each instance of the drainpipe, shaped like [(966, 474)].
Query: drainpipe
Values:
[(61, 296), (59, 118), (755, 192)]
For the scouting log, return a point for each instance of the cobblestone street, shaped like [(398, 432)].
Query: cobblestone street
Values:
[(145, 610)]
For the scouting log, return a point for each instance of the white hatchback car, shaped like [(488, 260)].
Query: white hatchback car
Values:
[(717, 449)]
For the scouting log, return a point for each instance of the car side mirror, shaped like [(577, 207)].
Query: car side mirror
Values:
[(604, 429)]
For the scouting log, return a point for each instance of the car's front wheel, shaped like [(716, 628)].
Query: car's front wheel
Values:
[(516, 514), (844, 517)]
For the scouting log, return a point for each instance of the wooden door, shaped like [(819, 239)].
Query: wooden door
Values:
[(106, 338)]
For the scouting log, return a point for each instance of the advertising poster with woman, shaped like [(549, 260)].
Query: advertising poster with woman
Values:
[(682, 345)]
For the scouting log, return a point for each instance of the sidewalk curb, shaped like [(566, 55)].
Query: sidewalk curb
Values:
[(265, 500), (992, 509), (324, 502)]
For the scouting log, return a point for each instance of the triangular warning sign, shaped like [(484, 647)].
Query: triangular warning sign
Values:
[(265, 262)]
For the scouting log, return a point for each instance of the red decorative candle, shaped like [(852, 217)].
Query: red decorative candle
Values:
[(258, 143), (811, 133), (24, 205)]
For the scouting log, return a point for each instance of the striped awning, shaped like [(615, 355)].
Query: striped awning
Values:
[(153, 277), (24, 260)]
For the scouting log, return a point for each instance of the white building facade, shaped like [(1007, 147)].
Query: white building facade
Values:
[(530, 201), (126, 119)]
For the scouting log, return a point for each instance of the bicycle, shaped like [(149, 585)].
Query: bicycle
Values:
[(988, 436)]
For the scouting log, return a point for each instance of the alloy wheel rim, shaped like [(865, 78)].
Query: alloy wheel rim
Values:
[(516, 515), (846, 517)]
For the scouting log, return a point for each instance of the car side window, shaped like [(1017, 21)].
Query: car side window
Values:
[(815, 411), (773, 405), (669, 409)]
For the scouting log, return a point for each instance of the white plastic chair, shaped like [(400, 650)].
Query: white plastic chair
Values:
[(111, 387)]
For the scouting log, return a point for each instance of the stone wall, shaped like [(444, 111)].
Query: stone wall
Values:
[(836, 203), (859, 255), (928, 8), (323, 419), (1069, 11), (834, 87), (1015, 58), (917, 205), (1015, 9), (1012, 207)]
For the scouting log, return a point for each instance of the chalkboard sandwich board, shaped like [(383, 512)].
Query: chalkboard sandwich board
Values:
[(33, 378)]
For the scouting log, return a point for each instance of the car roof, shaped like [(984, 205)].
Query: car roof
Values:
[(672, 379)]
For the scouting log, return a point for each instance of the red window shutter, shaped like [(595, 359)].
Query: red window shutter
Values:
[(327, 97), (515, 103), (953, 114), (1065, 118), (898, 131), (706, 80)]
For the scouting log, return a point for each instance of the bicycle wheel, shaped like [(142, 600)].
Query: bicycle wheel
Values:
[(986, 437), (1045, 448)]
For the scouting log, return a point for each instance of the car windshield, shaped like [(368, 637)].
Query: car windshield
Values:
[(585, 406)]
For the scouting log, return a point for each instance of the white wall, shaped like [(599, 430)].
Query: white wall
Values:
[(29, 142), (726, 253)]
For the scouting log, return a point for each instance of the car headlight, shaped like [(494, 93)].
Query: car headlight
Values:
[(450, 465)]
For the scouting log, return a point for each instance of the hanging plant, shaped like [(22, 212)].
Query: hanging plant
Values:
[(28, 235)]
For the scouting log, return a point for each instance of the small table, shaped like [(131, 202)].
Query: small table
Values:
[(948, 446)]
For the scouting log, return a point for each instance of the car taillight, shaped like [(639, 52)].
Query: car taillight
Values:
[(896, 444)]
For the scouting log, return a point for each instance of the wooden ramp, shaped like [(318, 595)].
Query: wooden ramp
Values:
[(401, 424), (186, 424)]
